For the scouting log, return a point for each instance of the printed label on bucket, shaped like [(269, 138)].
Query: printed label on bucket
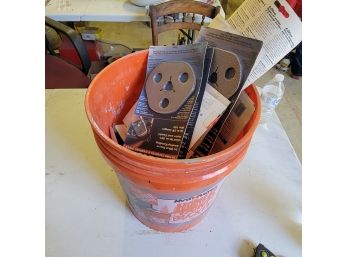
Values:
[(186, 209), (161, 210)]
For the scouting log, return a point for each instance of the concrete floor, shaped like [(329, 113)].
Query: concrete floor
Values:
[(138, 35)]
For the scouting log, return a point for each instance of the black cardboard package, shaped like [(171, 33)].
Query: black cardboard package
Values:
[(170, 93)]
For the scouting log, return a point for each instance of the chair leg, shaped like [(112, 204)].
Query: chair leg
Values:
[(192, 36), (188, 34)]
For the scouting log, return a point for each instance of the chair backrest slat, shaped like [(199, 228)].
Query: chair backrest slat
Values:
[(175, 9)]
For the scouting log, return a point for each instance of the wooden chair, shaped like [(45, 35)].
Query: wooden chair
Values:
[(179, 14)]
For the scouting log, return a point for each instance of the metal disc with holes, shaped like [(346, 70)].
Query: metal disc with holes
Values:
[(169, 85), (225, 72)]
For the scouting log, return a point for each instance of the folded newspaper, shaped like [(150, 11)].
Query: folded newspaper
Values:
[(273, 22)]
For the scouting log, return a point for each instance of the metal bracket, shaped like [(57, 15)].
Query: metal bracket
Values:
[(225, 72), (169, 85)]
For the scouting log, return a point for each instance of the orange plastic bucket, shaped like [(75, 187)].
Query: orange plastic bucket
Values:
[(164, 194)]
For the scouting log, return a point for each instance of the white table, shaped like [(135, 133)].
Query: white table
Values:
[(87, 215), (96, 10)]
